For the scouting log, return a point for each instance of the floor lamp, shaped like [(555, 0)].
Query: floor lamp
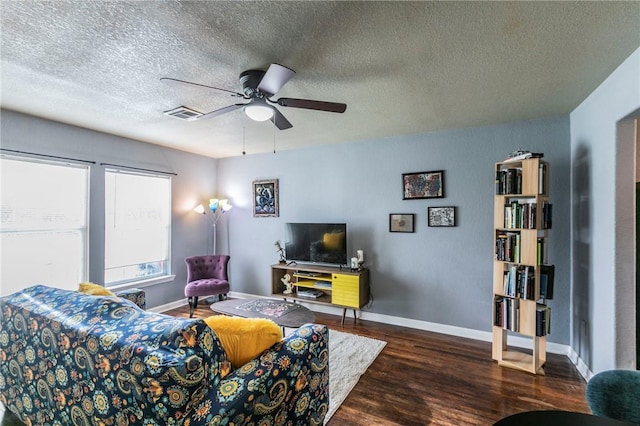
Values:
[(217, 209)]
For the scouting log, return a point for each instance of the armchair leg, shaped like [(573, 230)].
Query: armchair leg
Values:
[(193, 303)]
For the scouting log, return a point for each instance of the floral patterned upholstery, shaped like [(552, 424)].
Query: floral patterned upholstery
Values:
[(135, 295), (68, 358)]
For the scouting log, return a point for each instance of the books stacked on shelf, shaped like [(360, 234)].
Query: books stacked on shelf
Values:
[(543, 320), (323, 284), (519, 281), (547, 273), (521, 154), (313, 294), (508, 246), (508, 181), (507, 313), (521, 213)]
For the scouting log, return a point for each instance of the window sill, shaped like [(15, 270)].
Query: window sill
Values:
[(143, 283)]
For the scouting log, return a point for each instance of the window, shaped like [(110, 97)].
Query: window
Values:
[(137, 226), (43, 224)]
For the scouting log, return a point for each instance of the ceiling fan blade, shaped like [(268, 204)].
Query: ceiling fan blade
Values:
[(176, 82), (280, 121), (310, 104), (275, 77), (220, 111)]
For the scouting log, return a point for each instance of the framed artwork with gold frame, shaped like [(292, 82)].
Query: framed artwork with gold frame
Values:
[(265, 198)]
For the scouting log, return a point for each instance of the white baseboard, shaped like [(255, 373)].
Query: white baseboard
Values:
[(173, 305), (180, 303), (486, 336), (583, 368)]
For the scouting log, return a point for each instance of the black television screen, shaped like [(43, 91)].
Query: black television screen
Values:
[(316, 242)]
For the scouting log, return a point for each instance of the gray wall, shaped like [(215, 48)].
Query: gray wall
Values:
[(195, 182), (441, 275), (603, 270)]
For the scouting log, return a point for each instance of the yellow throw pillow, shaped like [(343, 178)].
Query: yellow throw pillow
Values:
[(244, 338), (94, 289)]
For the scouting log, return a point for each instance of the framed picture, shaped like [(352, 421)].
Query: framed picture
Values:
[(423, 185), (401, 222), (265, 198), (441, 216)]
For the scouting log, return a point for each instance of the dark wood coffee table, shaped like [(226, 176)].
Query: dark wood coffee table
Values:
[(557, 418), (293, 319)]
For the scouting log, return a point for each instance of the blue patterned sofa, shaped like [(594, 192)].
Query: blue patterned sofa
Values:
[(68, 358), (134, 295)]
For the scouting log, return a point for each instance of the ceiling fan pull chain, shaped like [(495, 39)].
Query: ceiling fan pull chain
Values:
[(244, 138)]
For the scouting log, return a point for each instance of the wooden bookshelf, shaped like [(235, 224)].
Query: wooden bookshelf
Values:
[(522, 217)]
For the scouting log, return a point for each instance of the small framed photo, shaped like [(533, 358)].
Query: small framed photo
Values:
[(423, 185), (401, 222), (441, 216), (265, 198)]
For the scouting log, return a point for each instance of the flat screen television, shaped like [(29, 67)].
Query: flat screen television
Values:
[(323, 243)]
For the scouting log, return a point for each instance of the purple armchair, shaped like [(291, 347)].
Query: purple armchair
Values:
[(206, 276)]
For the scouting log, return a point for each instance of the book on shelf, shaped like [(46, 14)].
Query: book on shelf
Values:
[(543, 320), (542, 178), (542, 251), (314, 294), (323, 284), (507, 313), (547, 273), (546, 216)]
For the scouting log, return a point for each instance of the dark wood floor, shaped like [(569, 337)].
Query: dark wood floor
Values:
[(425, 378)]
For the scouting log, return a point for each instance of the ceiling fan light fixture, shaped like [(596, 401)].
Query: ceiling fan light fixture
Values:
[(259, 112)]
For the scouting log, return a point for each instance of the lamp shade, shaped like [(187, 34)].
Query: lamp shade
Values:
[(199, 209), (213, 204), (259, 112)]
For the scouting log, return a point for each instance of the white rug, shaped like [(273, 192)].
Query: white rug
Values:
[(349, 357)]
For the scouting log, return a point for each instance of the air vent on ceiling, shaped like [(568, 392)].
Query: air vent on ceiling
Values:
[(183, 113)]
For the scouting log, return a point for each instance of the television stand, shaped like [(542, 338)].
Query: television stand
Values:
[(339, 287)]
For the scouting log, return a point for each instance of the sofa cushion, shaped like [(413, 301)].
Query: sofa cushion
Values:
[(94, 289), (244, 338)]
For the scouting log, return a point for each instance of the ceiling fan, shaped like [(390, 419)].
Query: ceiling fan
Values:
[(258, 88)]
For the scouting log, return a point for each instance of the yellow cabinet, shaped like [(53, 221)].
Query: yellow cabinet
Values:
[(346, 290)]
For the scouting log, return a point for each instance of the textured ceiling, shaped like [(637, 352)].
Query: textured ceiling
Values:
[(402, 67)]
